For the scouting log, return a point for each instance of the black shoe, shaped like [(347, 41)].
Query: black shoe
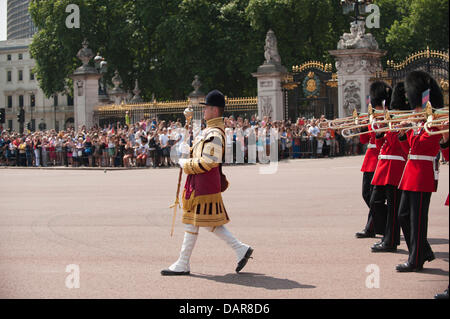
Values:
[(383, 248), (377, 243), (443, 295), (407, 267), (431, 257), (243, 261), (167, 272), (365, 234)]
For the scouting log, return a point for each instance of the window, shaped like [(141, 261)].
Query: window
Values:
[(32, 100), (20, 56), (20, 100), (10, 125), (31, 75), (9, 76), (20, 75), (55, 100), (69, 100), (9, 57), (33, 125), (9, 101)]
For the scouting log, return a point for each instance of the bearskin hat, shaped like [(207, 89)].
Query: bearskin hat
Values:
[(399, 100), (380, 91), (419, 81)]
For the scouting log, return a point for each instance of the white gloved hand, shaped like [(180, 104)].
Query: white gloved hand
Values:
[(182, 161)]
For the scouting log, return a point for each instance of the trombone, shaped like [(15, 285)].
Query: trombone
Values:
[(430, 115), (358, 126), (437, 122), (352, 120)]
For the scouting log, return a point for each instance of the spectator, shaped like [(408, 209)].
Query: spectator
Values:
[(165, 148), (314, 133)]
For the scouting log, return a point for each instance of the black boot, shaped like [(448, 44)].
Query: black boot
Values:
[(365, 234), (407, 267), (443, 295), (383, 248)]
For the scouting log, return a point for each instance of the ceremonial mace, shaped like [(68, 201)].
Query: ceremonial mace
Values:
[(188, 114)]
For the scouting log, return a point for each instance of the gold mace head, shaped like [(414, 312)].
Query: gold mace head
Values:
[(188, 113)]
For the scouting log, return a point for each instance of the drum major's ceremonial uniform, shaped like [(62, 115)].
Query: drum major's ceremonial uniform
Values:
[(202, 196)]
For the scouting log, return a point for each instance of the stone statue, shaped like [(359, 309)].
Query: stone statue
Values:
[(196, 84), (357, 38), (352, 99), (137, 97), (270, 49)]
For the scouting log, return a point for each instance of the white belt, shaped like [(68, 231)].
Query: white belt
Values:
[(391, 157), (421, 157), (371, 146), (426, 158)]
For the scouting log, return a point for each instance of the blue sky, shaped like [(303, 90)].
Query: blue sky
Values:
[(2, 20)]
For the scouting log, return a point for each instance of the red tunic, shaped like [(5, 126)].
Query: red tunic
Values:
[(371, 158), (445, 155), (390, 164), (419, 175)]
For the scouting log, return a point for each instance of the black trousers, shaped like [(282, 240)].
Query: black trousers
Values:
[(376, 220), (390, 194), (413, 217)]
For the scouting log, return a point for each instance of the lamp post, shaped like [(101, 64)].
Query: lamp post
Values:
[(358, 6)]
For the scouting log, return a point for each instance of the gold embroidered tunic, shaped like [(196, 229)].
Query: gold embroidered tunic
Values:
[(202, 197)]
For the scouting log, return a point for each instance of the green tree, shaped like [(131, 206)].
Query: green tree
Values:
[(164, 43), (417, 24)]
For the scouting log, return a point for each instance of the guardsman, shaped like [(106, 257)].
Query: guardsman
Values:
[(380, 94), (202, 198), (420, 176), (391, 163)]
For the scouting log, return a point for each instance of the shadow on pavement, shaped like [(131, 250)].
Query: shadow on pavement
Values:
[(438, 254), (254, 280), (438, 241), (434, 271)]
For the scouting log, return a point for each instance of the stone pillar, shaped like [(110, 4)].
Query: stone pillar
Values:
[(195, 98), (85, 89), (269, 76), (357, 60)]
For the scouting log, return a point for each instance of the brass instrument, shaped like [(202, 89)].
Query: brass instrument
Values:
[(437, 122), (429, 115), (354, 119), (372, 120)]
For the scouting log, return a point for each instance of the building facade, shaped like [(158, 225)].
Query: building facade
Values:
[(20, 25), (20, 88)]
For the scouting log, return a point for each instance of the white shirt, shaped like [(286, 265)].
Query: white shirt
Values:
[(314, 131), (164, 139)]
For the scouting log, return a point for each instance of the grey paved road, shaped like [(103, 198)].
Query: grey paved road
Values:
[(116, 227)]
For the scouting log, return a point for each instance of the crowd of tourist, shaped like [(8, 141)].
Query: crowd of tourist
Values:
[(150, 143)]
